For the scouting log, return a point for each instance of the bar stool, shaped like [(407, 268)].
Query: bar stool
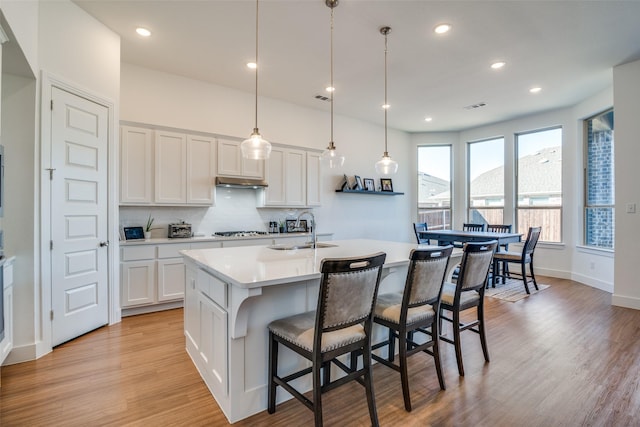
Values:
[(341, 324), (414, 310), (467, 293)]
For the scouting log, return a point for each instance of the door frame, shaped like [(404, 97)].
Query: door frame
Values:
[(49, 81)]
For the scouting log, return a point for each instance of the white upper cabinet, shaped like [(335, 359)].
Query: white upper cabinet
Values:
[(170, 168), (231, 162), (201, 154), (159, 167), (293, 176), (286, 174), (136, 165), (314, 183)]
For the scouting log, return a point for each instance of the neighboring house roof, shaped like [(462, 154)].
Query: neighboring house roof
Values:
[(538, 174), (429, 186)]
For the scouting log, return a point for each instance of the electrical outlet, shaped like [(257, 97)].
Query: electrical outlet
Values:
[(631, 208)]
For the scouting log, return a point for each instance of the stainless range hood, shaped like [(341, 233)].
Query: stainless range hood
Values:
[(224, 181)]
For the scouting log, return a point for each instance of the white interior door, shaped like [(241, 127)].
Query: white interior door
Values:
[(79, 256)]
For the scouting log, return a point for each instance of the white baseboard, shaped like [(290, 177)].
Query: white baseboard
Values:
[(585, 280), (625, 301), (24, 353)]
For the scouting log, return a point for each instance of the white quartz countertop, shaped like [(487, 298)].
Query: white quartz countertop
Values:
[(162, 240), (257, 266)]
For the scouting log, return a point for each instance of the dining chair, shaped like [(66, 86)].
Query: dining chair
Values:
[(417, 227), (341, 324), (414, 310), (472, 227), (467, 293), (500, 228), (523, 258)]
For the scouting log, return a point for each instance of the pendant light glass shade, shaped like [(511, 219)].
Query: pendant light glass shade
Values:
[(331, 157), (255, 147), (386, 165)]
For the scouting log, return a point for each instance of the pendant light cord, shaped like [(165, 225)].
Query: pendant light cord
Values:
[(386, 104), (333, 90), (256, 112)]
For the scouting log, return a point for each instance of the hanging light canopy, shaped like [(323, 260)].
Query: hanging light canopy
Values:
[(331, 157), (255, 147), (386, 165)]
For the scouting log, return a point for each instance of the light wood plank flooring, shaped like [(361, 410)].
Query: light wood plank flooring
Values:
[(563, 357)]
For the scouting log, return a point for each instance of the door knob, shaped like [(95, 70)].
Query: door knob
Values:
[(103, 244)]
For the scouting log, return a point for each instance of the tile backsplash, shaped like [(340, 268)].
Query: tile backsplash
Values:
[(235, 209)]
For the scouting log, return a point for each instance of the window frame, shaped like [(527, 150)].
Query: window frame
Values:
[(586, 205), (516, 206), (449, 209), (468, 180)]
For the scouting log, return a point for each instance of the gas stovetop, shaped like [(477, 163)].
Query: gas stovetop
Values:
[(240, 233)]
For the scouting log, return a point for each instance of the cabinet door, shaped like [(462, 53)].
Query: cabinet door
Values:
[(314, 187), (191, 308), (296, 178), (136, 165), (231, 163), (137, 283), (170, 168), (229, 158), (213, 344), (275, 174), (7, 342), (171, 279), (200, 169)]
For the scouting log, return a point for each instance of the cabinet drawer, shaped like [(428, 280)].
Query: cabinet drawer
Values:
[(212, 287), (141, 252), (172, 250)]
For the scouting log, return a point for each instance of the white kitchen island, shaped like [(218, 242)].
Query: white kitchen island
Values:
[(231, 296)]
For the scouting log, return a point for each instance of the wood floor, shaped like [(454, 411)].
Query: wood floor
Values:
[(562, 357)]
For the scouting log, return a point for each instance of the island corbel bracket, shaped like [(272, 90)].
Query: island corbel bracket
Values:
[(238, 314)]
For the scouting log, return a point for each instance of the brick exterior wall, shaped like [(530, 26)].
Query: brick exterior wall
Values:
[(600, 188)]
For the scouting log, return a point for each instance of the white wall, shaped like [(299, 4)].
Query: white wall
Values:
[(78, 50), (163, 99), (626, 83)]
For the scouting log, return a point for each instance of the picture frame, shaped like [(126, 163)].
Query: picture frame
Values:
[(358, 183), (386, 184), (369, 185), (291, 226)]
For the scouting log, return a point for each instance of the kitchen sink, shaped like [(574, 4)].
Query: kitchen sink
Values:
[(300, 246)]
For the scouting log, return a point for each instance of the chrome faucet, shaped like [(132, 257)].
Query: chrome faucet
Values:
[(313, 226)]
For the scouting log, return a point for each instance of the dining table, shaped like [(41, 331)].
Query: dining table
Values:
[(453, 237)]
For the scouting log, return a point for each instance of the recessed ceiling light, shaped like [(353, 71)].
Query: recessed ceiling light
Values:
[(498, 64), (442, 28), (386, 106), (535, 89), (143, 32), (252, 65), (330, 89), (428, 119)]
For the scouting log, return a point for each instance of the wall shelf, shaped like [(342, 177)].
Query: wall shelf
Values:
[(379, 193)]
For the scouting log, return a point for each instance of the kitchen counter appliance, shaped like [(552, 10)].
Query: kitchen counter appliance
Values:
[(179, 230)]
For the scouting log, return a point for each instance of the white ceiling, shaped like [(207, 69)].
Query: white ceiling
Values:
[(566, 47)]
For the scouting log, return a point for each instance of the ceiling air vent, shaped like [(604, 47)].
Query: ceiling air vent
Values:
[(474, 106), (322, 97)]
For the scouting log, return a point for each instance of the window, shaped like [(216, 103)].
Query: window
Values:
[(486, 181), (434, 186), (599, 181), (539, 183)]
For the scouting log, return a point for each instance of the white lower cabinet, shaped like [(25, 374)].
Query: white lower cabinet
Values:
[(6, 345), (205, 323), (137, 282)]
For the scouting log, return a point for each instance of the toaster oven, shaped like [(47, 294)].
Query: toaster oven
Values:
[(179, 230)]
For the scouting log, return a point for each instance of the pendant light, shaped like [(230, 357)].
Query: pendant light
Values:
[(330, 157), (255, 147), (386, 165)]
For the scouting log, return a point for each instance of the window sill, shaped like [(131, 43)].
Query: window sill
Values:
[(609, 253)]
